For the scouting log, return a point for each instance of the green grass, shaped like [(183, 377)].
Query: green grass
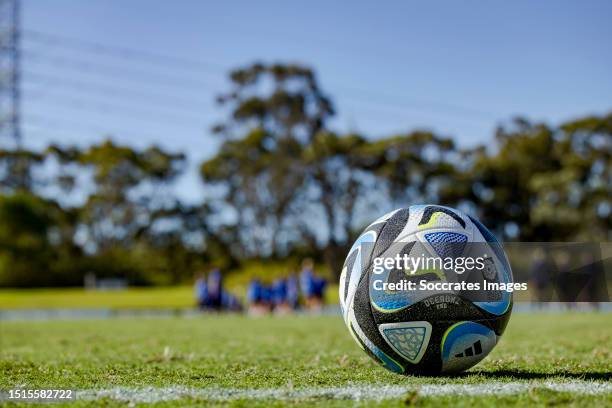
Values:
[(296, 351), (132, 298), (176, 297)]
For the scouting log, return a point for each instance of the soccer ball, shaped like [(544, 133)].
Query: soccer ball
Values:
[(440, 326)]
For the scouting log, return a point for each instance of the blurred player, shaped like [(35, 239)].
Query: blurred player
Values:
[(257, 298), (230, 302), (200, 289), (313, 287), (215, 289), (293, 293), (279, 297)]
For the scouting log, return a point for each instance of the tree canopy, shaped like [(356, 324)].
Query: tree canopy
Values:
[(284, 183)]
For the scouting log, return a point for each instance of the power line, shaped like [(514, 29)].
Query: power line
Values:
[(104, 108), (44, 127), (370, 106), (84, 66), (47, 124), (42, 133), (398, 112), (123, 52), (81, 86), (109, 91), (366, 96), (374, 101), (394, 101), (384, 104)]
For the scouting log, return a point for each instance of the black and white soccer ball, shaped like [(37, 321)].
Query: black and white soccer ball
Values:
[(425, 332)]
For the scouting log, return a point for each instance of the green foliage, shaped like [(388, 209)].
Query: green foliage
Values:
[(283, 185), (32, 246), (282, 168), (261, 161), (291, 183), (117, 225), (16, 169), (550, 183)]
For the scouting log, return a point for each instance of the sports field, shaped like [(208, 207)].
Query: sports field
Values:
[(545, 359)]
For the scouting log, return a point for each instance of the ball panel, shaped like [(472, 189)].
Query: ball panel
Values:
[(440, 240), (359, 257), (383, 219), (504, 272), (348, 266), (372, 349), (464, 344), (408, 339), (431, 210), (390, 231), (367, 329), (385, 301)]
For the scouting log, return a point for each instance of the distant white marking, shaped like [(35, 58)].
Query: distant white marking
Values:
[(351, 392)]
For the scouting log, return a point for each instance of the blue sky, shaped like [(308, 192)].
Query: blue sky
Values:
[(455, 67)]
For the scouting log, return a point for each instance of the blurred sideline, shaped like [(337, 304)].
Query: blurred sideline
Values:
[(326, 310)]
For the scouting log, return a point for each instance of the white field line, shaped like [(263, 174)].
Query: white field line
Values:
[(351, 392)]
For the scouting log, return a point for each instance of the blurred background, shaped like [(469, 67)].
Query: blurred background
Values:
[(166, 155)]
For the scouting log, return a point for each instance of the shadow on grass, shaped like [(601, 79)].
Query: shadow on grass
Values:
[(531, 375)]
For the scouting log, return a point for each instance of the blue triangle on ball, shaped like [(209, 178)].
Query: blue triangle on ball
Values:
[(447, 244)]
